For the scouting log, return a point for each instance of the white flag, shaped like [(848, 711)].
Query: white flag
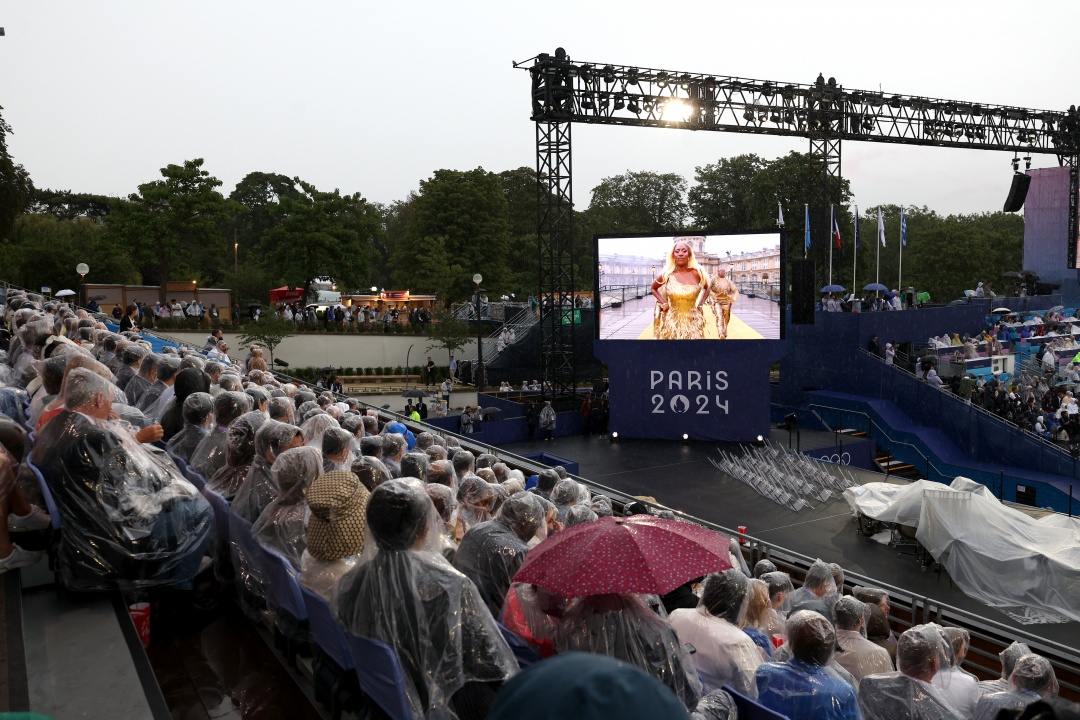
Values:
[(780, 219), (881, 227)]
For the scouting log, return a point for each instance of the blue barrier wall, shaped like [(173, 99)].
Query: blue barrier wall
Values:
[(553, 461), (852, 454), (507, 430)]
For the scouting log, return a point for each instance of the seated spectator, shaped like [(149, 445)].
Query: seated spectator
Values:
[(441, 472), (410, 598), (725, 654), (393, 451), (961, 688), (164, 376), (565, 495), (21, 515), (779, 588), (239, 455), (259, 489), (1008, 658), (336, 531), (128, 514), (546, 481), (492, 552), (198, 416), (210, 455), (281, 524), (817, 585), (1032, 679), (445, 502), (877, 628), (337, 450), (624, 627), (804, 687), (585, 687), (909, 694), (855, 653), (475, 499), (579, 514), (758, 618), (762, 567)]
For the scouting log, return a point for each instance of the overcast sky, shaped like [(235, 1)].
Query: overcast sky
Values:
[(373, 97)]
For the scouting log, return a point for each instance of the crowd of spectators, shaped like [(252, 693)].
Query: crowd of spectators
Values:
[(414, 541)]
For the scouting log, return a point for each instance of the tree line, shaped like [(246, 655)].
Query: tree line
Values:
[(274, 230)]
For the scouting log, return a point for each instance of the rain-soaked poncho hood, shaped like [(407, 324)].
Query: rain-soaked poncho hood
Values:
[(414, 601), (281, 525), (128, 514), (625, 628), (314, 428), (259, 488)]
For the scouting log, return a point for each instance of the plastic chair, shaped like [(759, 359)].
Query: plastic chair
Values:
[(220, 507), (751, 709), (381, 678), (54, 520), (286, 602), (334, 669), (196, 479)]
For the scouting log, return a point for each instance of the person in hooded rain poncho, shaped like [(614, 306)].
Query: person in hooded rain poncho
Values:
[(725, 654), (410, 598), (239, 455), (491, 552), (565, 495), (908, 694), (336, 531), (625, 627), (189, 380), (337, 449), (258, 488), (445, 502), (315, 428), (198, 413), (960, 687), (475, 499), (855, 653), (281, 525), (1032, 679), (212, 453), (165, 373), (817, 585), (128, 514)]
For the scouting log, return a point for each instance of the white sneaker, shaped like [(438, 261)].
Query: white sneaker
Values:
[(18, 558), (36, 519)]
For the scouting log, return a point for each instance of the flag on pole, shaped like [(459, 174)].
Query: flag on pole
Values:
[(903, 229), (780, 218), (836, 231), (858, 233), (881, 227), (807, 227)]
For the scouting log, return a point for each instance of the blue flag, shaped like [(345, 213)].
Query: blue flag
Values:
[(858, 232), (807, 227), (903, 229)]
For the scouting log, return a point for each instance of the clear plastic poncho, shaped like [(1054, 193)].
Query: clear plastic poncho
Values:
[(475, 498), (533, 614), (410, 598), (198, 412), (855, 653), (314, 429), (624, 627), (491, 553), (239, 454), (211, 454), (889, 696), (1033, 678), (282, 524), (725, 654), (259, 488), (128, 515), (818, 584)]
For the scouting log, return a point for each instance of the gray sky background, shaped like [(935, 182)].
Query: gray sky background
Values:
[(373, 97)]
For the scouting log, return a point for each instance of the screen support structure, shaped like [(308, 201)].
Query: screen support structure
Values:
[(564, 92), (554, 236)]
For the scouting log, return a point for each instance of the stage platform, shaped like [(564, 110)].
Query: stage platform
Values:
[(680, 476), (751, 318)]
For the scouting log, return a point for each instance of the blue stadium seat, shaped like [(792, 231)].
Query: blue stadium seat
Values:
[(334, 669), (381, 679), (525, 653), (54, 518), (286, 602), (751, 709)]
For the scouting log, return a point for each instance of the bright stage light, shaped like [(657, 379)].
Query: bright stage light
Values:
[(685, 436), (676, 111)]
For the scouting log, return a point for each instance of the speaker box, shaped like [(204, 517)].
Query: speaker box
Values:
[(803, 292), (1018, 192)]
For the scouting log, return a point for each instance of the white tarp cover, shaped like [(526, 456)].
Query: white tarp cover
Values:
[(1027, 568)]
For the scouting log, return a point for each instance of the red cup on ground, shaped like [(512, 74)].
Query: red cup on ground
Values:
[(140, 616), (742, 534), (777, 640)]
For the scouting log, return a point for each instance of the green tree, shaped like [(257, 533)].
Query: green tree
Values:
[(172, 226), (268, 332), (468, 210), (321, 233), (395, 224), (16, 189), (69, 242), (447, 333), (67, 205), (638, 202), (720, 199), (257, 196)]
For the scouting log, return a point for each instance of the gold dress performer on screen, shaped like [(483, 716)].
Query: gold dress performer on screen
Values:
[(680, 289), (722, 295)]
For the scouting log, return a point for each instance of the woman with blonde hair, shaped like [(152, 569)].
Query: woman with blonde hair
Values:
[(680, 289), (757, 616)]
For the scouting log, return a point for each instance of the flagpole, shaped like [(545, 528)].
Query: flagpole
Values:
[(900, 270), (831, 221), (877, 274), (855, 251)]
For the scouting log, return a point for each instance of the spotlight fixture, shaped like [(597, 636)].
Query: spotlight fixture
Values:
[(619, 102), (685, 437), (609, 74), (1027, 162), (662, 80), (634, 107), (613, 437)]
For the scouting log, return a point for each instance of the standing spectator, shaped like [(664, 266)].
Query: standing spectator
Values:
[(453, 369), (586, 414), (117, 312), (215, 314), (547, 420), (430, 368), (874, 347)]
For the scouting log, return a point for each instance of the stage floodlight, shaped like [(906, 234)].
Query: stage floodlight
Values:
[(620, 103), (662, 80), (634, 107), (609, 74), (790, 421), (685, 437), (675, 111), (614, 437)]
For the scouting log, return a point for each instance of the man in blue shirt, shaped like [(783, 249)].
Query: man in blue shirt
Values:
[(803, 688)]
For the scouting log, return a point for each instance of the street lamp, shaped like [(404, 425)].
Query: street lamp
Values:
[(478, 278), (83, 269)]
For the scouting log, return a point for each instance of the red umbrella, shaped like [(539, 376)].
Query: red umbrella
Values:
[(636, 554)]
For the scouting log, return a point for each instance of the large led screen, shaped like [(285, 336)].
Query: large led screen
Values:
[(689, 287)]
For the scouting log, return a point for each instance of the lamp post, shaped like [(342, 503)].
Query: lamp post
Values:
[(83, 269), (478, 278)]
